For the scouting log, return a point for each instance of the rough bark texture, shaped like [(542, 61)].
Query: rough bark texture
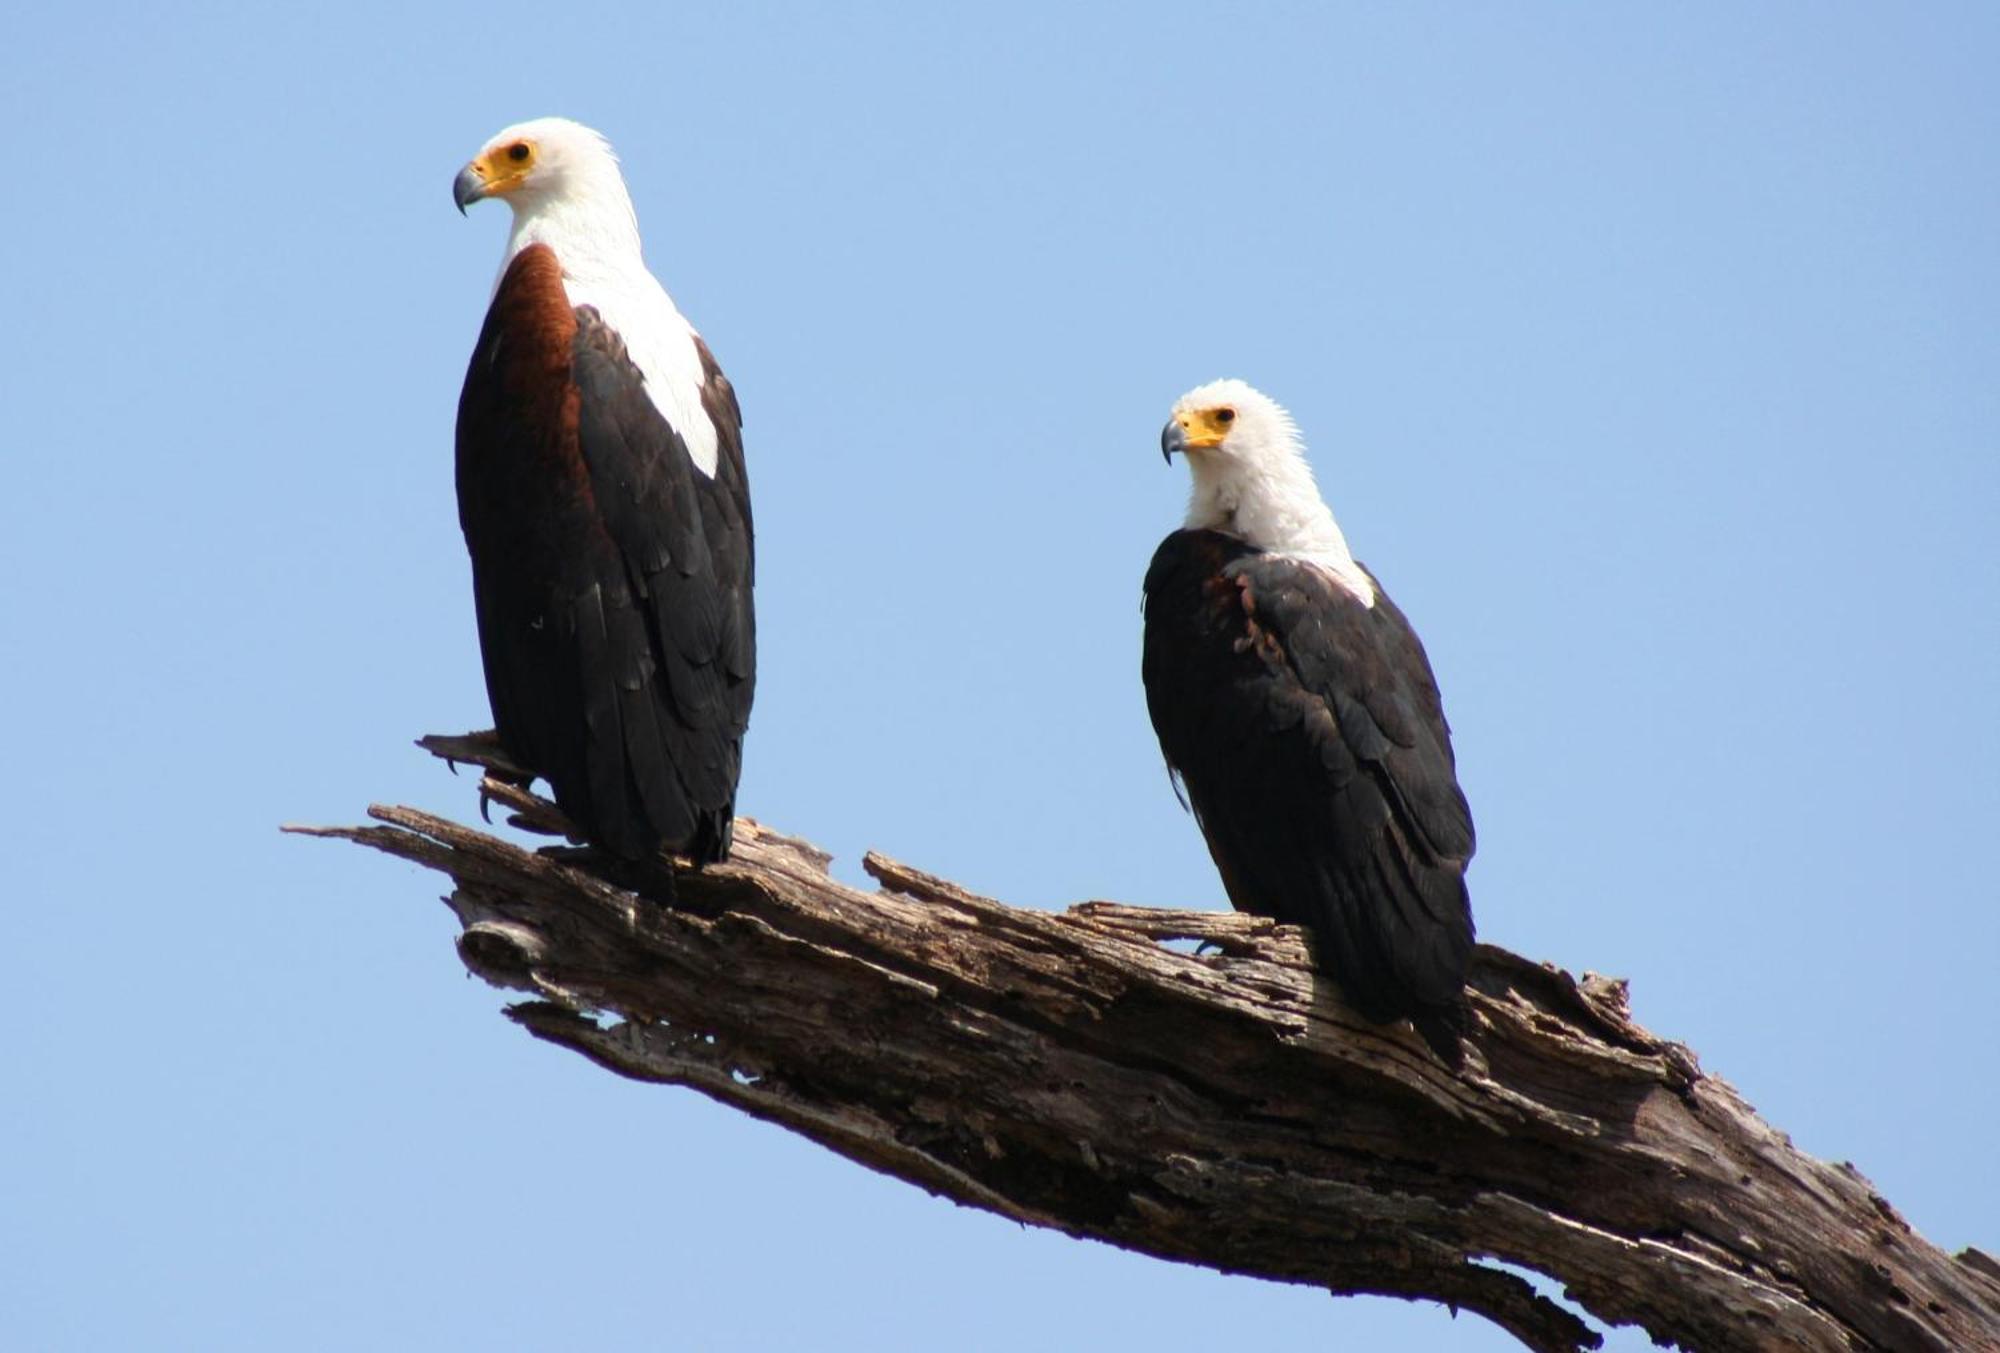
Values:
[(1077, 1071)]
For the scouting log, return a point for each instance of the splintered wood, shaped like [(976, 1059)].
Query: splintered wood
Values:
[(1213, 1103)]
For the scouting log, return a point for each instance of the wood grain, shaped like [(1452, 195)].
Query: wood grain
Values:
[(1078, 1071)]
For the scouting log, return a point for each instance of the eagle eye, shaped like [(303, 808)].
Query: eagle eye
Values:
[(1225, 415), (518, 151)]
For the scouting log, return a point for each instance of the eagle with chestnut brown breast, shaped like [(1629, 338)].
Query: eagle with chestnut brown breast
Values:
[(602, 493)]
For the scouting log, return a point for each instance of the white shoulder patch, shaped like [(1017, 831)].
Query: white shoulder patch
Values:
[(662, 345)]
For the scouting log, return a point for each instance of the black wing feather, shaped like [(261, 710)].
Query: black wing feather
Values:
[(681, 599)]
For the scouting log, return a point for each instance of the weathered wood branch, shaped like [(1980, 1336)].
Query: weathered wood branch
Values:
[(1075, 1071)]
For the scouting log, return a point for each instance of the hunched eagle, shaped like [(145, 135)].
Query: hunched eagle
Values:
[(1298, 711), (603, 497)]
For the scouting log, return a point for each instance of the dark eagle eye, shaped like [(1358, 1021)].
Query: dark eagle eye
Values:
[(1225, 415), (518, 151)]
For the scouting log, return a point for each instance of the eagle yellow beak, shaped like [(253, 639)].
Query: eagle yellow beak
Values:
[(494, 174), (1195, 430)]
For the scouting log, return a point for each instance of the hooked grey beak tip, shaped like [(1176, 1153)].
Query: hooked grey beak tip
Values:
[(466, 189), (1172, 439)]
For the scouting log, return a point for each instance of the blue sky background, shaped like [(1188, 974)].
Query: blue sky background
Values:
[(1652, 358)]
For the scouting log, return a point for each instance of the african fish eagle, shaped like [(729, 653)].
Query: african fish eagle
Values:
[(1298, 711), (602, 493)]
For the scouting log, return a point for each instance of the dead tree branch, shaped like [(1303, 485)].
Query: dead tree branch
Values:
[(1074, 1071)]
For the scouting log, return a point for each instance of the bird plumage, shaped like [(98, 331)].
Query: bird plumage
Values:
[(606, 511), (1298, 710)]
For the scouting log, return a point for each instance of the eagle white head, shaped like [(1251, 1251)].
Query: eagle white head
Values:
[(533, 165), (1252, 479), (562, 181)]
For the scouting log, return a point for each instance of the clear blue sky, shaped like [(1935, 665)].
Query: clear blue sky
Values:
[(1652, 359)]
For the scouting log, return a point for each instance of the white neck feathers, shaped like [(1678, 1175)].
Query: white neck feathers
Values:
[(590, 225), (1259, 488)]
